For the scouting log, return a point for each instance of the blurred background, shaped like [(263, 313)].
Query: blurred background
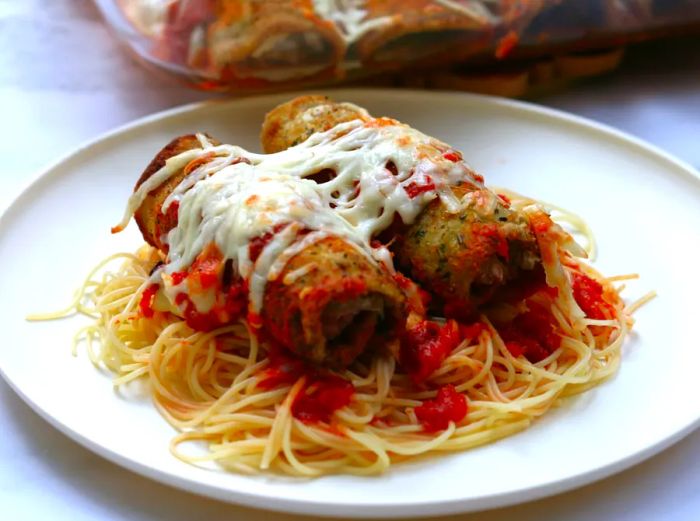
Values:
[(72, 69)]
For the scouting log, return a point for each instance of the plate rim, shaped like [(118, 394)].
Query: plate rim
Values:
[(353, 509)]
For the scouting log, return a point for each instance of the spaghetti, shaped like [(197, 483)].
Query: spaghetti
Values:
[(219, 387)]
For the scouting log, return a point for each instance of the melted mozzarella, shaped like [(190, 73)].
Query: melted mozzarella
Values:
[(238, 196), (469, 8), (350, 17)]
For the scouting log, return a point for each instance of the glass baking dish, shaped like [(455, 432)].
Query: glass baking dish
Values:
[(254, 45)]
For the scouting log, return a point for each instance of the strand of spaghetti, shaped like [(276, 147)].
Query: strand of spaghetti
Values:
[(130, 376), (192, 371), (509, 380), (298, 466), (370, 443), (237, 423), (634, 306), (349, 417), (254, 446), (324, 438), (459, 442), (487, 345), (412, 449), (617, 278), (396, 402), (225, 403), (282, 417)]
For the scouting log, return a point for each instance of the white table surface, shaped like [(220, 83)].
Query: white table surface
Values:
[(64, 79)]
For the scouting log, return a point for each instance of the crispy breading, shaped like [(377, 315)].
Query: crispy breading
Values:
[(291, 123), (338, 306), (465, 257), (460, 258), (330, 302), (153, 223)]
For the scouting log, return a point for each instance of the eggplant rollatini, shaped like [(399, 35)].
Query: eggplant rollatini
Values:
[(462, 257), (328, 303)]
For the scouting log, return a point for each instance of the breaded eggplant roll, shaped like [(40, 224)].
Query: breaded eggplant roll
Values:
[(271, 41), (328, 303), (461, 257), (431, 31)]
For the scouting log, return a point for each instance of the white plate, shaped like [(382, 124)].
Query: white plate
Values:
[(643, 205)]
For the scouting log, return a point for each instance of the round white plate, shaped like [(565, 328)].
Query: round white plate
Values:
[(643, 205)]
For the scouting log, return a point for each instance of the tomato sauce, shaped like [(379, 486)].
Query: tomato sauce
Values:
[(527, 284), (323, 394), (234, 306), (257, 244), (448, 406), (588, 294), (283, 369), (146, 302), (506, 45), (425, 346), (460, 309), (418, 299), (532, 334), (177, 277)]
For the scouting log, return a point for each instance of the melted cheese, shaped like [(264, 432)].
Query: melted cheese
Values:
[(470, 9), (238, 196), (350, 17)]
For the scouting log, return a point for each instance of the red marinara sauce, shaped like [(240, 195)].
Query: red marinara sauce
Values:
[(448, 406), (532, 334), (588, 294), (426, 345), (146, 302), (322, 395), (413, 189)]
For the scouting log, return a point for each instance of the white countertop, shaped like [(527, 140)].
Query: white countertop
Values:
[(64, 80)]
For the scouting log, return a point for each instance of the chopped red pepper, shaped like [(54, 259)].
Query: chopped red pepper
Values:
[(413, 189), (452, 156), (448, 406)]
